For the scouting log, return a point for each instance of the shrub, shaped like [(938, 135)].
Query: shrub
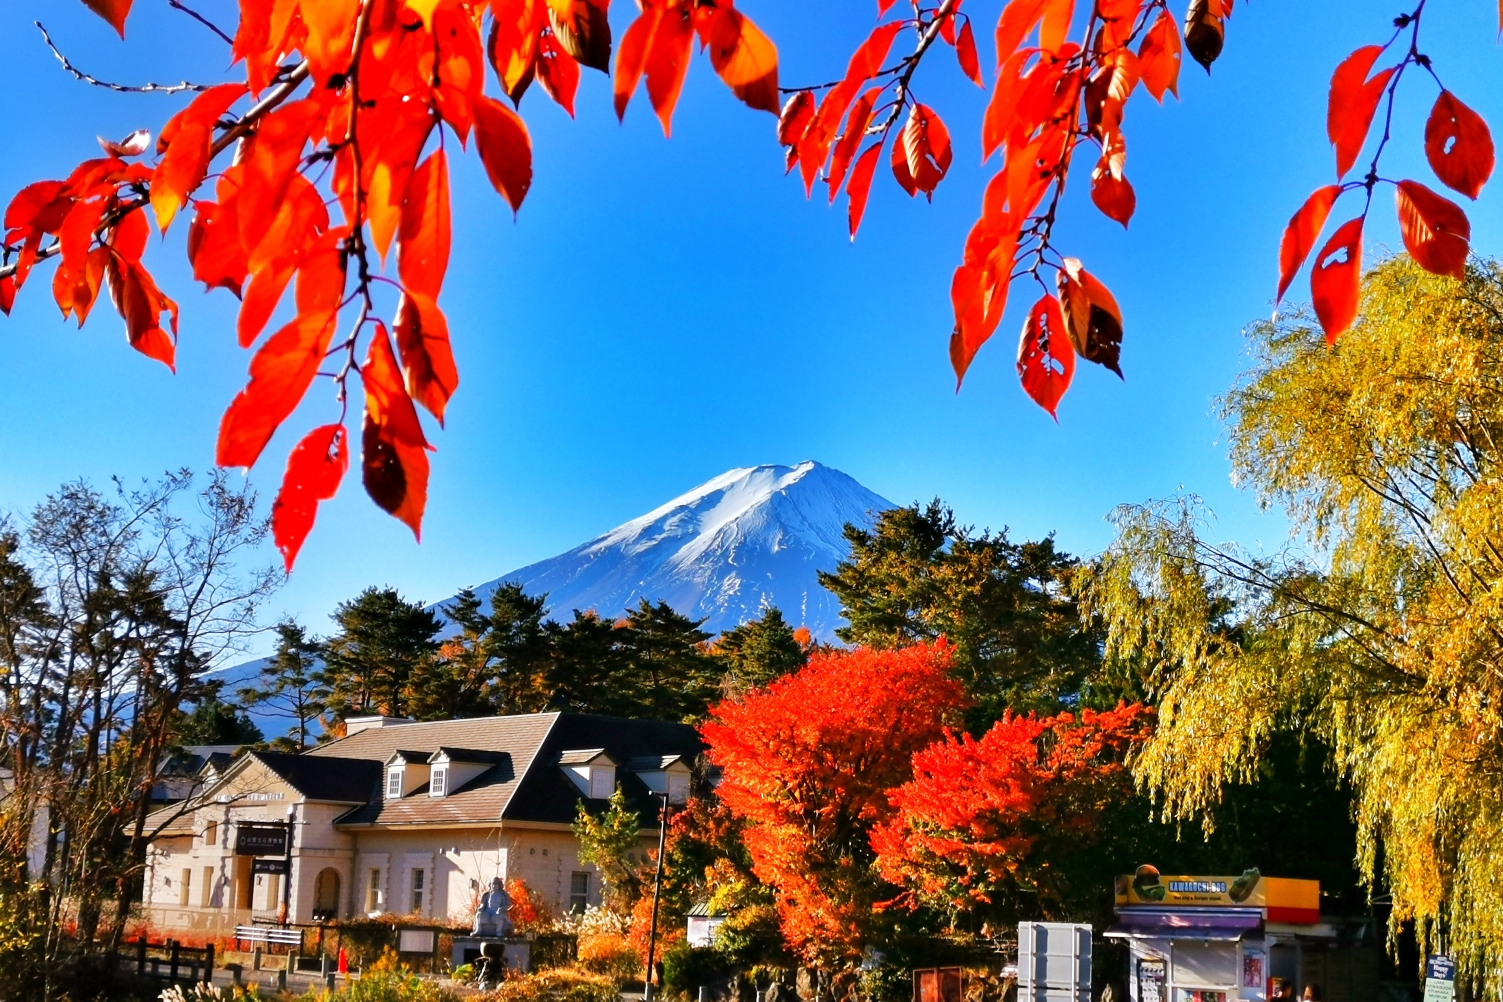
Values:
[(386, 986), (752, 936), (609, 953), (686, 967), (562, 985)]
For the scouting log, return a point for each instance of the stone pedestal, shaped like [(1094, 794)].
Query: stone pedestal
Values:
[(515, 953)]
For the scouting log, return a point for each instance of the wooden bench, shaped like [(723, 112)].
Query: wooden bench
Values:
[(270, 935)]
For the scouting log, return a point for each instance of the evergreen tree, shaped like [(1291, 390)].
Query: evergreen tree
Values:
[(520, 649), (456, 682), (297, 691), (672, 675), (215, 722), (917, 575), (586, 667), (384, 648), (757, 652)]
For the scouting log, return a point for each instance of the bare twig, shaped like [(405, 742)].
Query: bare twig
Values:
[(201, 20), (149, 88)]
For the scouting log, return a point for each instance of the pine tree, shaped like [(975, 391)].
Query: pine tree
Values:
[(385, 646), (297, 691), (917, 575), (215, 722), (757, 652), (519, 646), (672, 675), (586, 667), (456, 682)]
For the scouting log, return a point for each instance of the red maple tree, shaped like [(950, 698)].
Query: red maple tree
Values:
[(808, 761), (982, 821), (355, 104)]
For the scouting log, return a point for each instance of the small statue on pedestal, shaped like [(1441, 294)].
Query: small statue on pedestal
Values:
[(490, 916)]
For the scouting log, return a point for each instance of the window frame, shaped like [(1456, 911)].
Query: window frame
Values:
[(579, 900), (394, 783), (417, 886), (438, 781), (373, 889), (602, 776), (185, 891)]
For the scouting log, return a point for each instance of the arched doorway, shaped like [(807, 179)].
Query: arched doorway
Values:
[(326, 894)]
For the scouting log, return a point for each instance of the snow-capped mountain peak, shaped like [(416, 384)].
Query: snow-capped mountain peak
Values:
[(724, 551)]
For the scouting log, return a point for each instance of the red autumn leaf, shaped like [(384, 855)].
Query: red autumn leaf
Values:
[(859, 186), (76, 289), (505, 149), (261, 298), (1336, 279), (926, 144), (321, 274), (814, 145), (1046, 362), (128, 236), (1353, 101), (845, 147), (1111, 192), (745, 58), (281, 372), (1019, 17), (423, 247), (7, 294), (1159, 58), (389, 168), (557, 72), (583, 30), (1299, 236), (314, 470), (113, 11), (427, 359), (1458, 145), (512, 47), (667, 62), (797, 113), (180, 172), (394, 453), (900, 171), (270, 165), (1058, 14), (141, 305), (631, 58), (1436, 231), (205, 110), (965, 54), (214, 247)]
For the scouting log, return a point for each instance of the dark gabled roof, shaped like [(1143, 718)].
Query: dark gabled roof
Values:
[(340, 780), (653, 763), (582, 756), (526, 783)]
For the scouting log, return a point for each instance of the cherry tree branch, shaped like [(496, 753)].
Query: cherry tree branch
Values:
[(177, 5), (148, 88)]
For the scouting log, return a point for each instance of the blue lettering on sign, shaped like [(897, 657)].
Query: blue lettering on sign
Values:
[(1440, 968), (1197, 886)]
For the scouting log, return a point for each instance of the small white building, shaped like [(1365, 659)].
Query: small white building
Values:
[(408, 818)]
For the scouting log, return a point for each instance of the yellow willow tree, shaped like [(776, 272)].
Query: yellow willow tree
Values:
[(1379, 631)]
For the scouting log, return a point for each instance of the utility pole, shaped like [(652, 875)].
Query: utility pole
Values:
[(287, 877), (657, 886)]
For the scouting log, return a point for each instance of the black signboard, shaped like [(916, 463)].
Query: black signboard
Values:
[(260, 840), (277, 866)]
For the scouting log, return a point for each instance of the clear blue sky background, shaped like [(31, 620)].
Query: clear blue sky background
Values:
[(662, 311)]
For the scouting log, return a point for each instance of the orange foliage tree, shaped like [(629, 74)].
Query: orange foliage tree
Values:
[(986, 822), (807, 763), (349, 102)]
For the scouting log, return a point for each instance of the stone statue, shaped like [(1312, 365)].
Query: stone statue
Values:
[(490, 917)]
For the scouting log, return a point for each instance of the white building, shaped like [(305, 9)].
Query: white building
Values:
[(409, 818)]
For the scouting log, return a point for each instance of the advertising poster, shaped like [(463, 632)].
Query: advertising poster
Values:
[(1252, 969)]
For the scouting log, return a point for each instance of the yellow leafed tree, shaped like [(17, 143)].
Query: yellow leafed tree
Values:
[(1379, 629)]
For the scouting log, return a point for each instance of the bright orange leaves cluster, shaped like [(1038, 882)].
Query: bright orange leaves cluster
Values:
[(347, 105), (1435, 230), (807, 763), (980, 819)]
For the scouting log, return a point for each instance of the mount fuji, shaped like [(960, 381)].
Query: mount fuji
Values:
[(722, 552)]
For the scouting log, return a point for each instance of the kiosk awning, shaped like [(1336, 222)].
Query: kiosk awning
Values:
[(1199, 923)]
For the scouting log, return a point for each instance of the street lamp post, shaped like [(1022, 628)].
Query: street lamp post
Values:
[(657, 885)]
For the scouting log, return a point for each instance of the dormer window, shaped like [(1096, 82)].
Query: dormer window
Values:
[(393, 783), (665, 775), (592, 770), (406, 773), (439, 782)]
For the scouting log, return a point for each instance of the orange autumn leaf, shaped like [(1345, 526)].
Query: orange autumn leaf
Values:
[(393, 451), (965, 54), (744, 57), (557, 72), (427, 358), (1159, 58), (113, 11), (845, 147), (281, 372), (1092, 318), (505, 149), (859, 186), (926, 147), (1352, 103), (1336, 279), (141, 305), (423, 246), (314, 470), (1458, 145), (1300, 235), (1436, 231), (583, 31)]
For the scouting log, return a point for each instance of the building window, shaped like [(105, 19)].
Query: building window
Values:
[(211, 833), (678, 788), (393, 784), (439, 782), (182, 891), (417, 891), (373, 891), (579, 891), (602, 782), (206, 893)]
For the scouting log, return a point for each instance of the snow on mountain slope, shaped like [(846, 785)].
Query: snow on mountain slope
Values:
[(723, 552)]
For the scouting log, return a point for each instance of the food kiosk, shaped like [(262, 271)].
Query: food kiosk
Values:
[(1221, 939)]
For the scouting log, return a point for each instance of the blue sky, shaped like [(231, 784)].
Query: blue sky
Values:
[(662, 311)]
